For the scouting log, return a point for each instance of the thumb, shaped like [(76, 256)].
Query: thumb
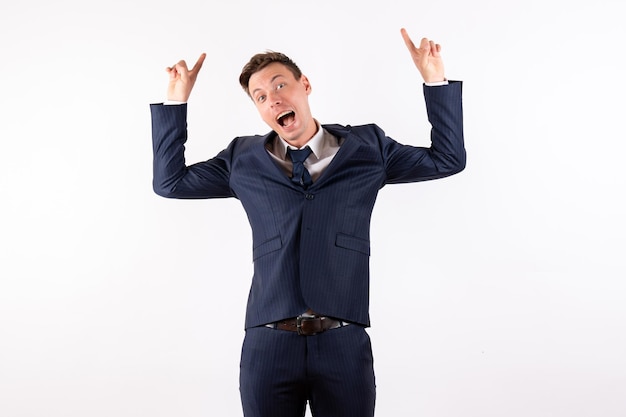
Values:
[(181, 68)]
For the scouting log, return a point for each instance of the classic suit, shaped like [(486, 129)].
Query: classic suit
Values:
[(310, 247)]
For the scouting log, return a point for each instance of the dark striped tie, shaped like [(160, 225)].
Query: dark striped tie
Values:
[(300, 175)]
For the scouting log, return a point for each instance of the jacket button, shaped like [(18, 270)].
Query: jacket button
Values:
[(309, 196)]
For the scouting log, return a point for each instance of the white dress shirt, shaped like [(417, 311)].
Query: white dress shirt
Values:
[(324, 147)]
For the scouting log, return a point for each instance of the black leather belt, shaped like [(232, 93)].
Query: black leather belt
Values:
[(308, 325)]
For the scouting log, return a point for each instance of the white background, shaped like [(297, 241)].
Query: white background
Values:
[(496, 292)]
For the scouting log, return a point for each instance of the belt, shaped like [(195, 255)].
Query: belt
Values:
[(308, 325)]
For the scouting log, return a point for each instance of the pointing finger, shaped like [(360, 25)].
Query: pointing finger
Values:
[(407, 40), (198, 63)]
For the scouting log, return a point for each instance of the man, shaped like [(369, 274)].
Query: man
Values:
[(308, 190)]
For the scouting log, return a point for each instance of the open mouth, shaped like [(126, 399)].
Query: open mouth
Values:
[(286, 118)]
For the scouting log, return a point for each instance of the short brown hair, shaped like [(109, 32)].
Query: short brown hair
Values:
[(262, 60)]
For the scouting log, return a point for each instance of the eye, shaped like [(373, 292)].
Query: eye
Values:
[(279, 86), (261, 98)]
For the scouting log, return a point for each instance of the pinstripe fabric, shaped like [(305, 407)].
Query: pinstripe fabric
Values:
[(280, 371), (310, 247)]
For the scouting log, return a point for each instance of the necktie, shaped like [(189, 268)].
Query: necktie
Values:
[(300, 174)]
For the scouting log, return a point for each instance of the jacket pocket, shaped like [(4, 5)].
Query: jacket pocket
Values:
[(266, 247), (353, 243)]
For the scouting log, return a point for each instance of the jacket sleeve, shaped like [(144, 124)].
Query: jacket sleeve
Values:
[(446, 155), (172, 178)]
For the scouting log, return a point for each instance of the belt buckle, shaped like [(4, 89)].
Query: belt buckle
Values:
[(299, 319)]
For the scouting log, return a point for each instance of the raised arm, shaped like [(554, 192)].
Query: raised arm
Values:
[(446, 155), (172, 177)]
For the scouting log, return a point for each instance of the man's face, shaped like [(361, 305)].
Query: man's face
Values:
[(283, 103)]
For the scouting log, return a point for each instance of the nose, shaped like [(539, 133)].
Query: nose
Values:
[(274, 97)]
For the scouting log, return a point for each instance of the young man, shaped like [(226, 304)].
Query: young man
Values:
[(308, 190)]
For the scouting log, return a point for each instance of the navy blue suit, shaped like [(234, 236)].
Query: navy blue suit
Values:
[(310, 247)]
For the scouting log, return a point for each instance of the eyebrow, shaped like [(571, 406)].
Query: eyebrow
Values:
[(271, 81)]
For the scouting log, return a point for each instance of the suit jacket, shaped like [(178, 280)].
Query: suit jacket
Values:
[(310, 247)]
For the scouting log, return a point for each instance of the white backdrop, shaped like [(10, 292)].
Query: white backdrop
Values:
[(496, 292)]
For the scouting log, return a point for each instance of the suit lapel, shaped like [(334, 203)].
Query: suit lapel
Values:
[(350, 145), (271, 164)]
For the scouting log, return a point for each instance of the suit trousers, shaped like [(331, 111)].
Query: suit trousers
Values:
[(333, 371)]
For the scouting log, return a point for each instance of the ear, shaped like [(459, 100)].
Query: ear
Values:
[(307, 85)]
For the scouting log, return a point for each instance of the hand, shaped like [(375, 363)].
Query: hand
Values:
[(426, 58), (182, 79)]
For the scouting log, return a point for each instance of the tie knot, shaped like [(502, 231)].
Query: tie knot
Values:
[(299, 155)]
